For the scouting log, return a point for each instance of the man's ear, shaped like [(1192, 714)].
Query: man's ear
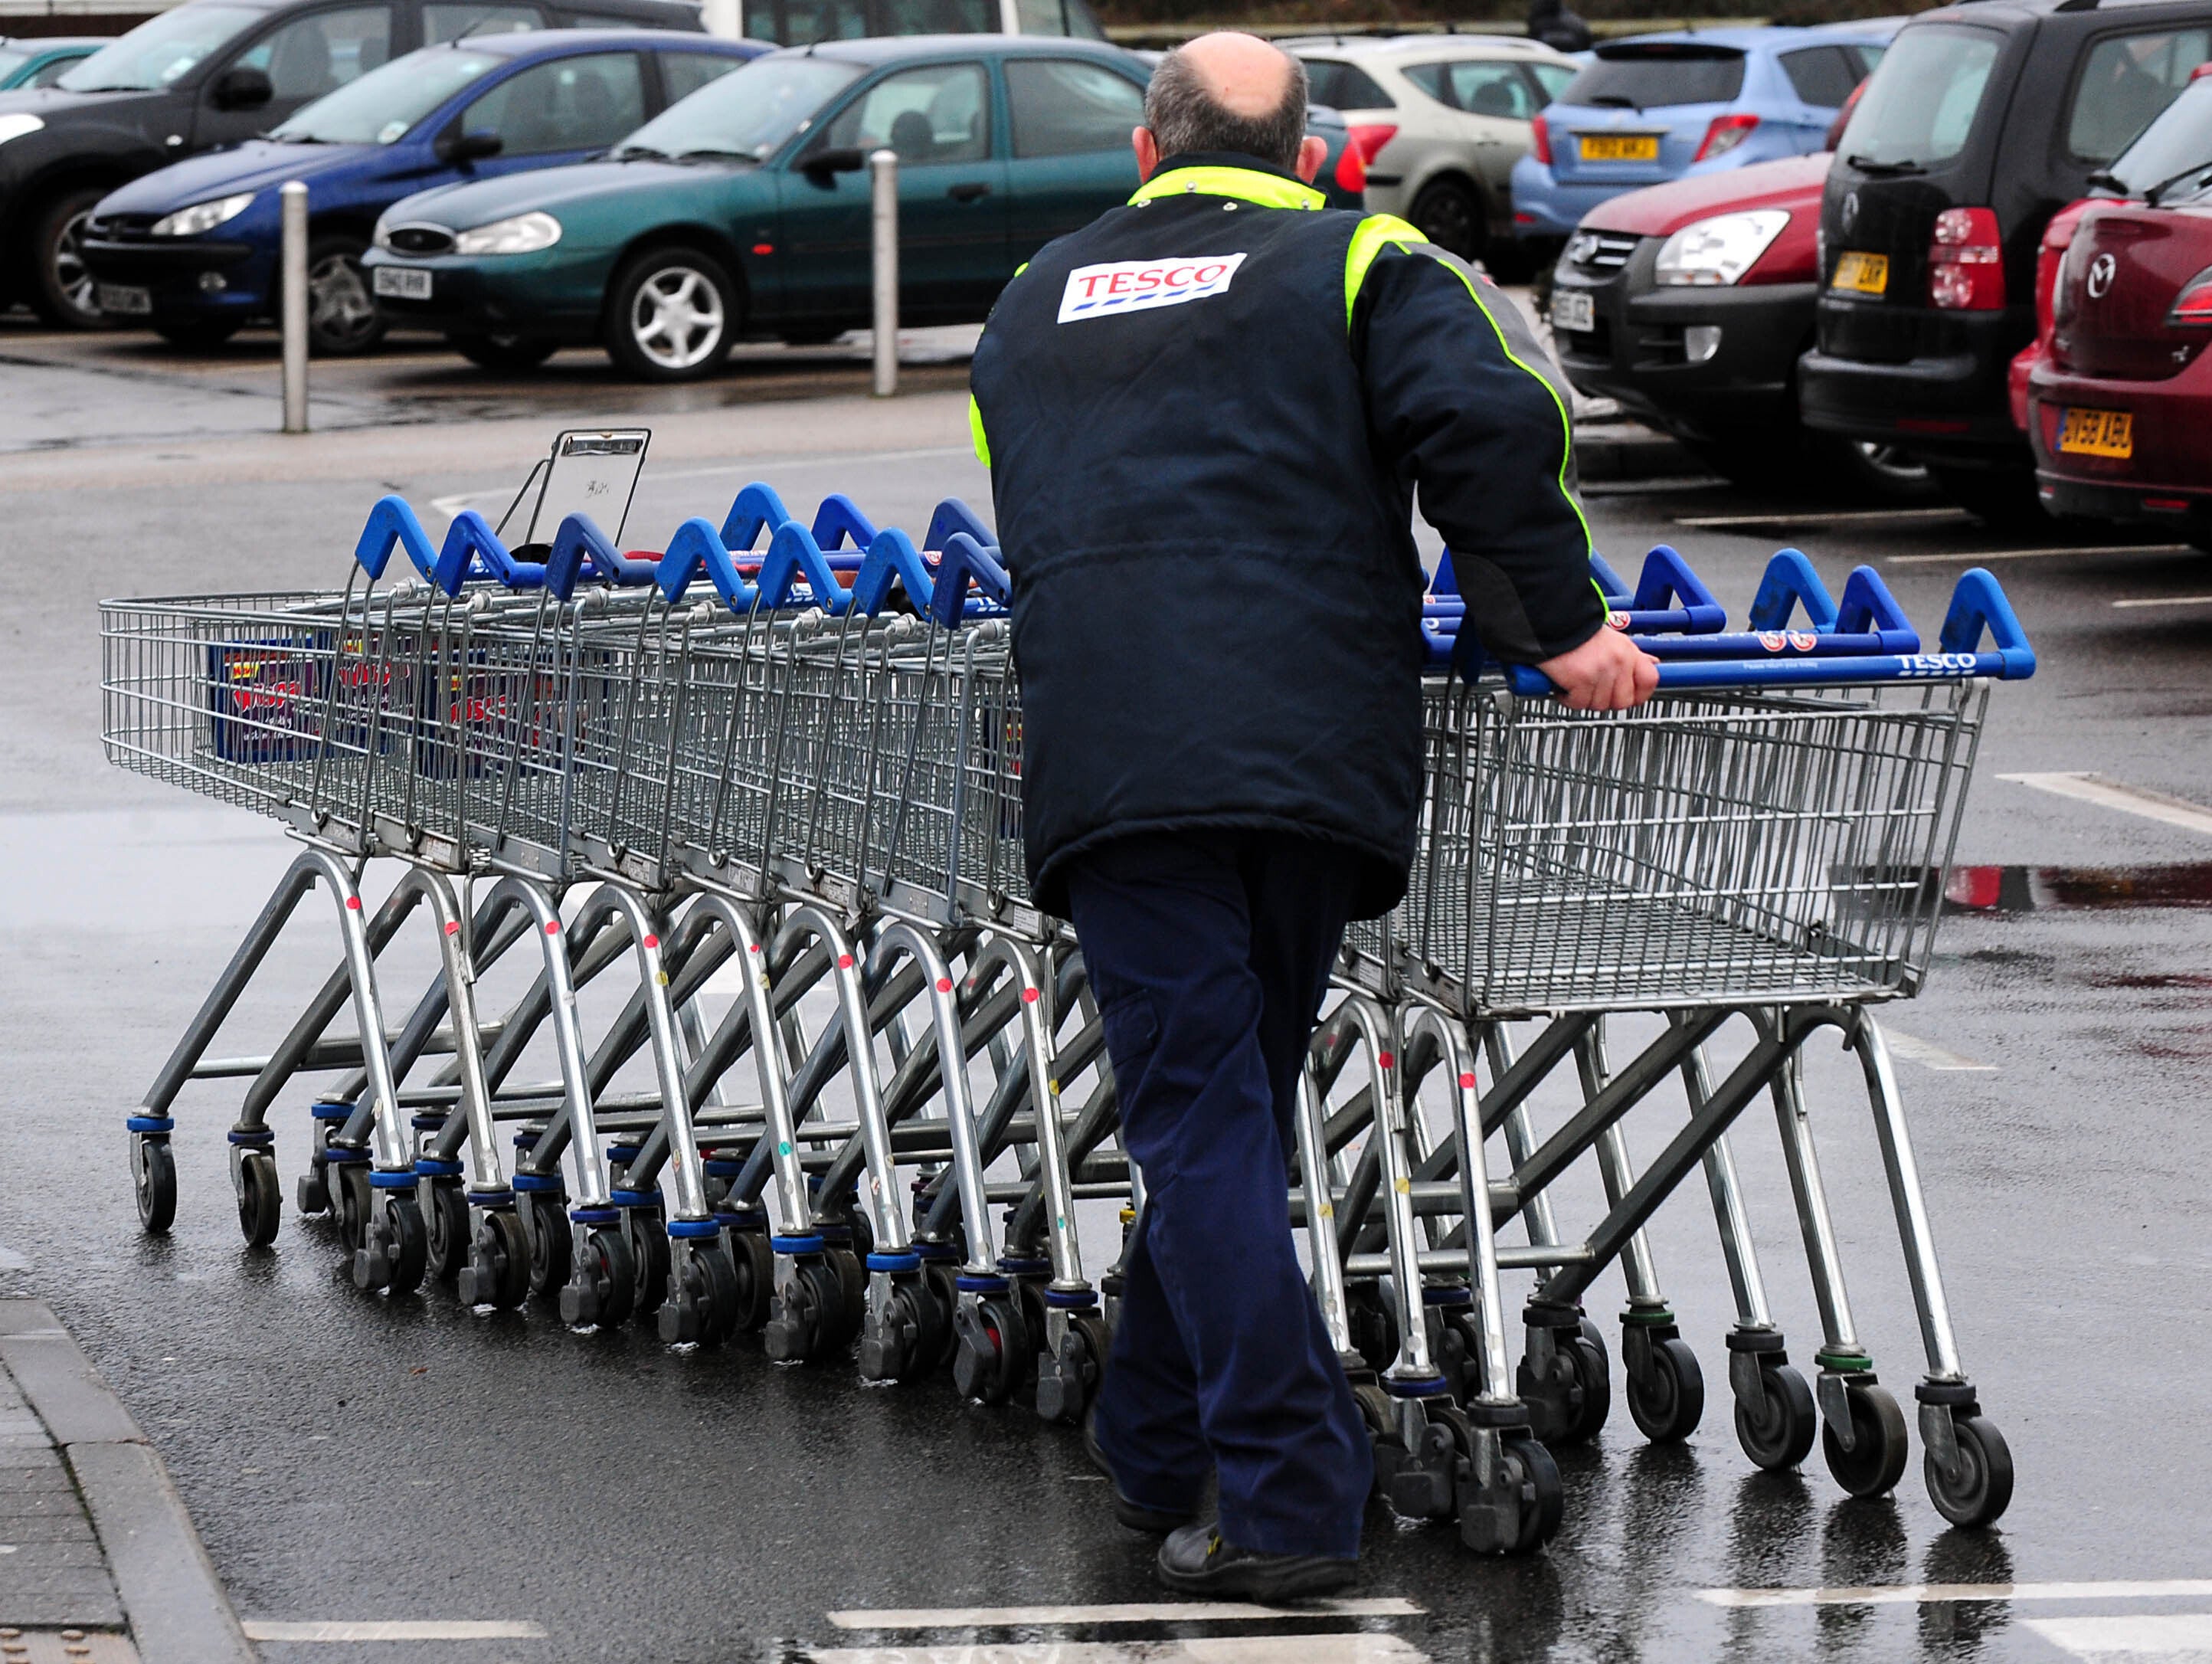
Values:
[(1311, 154), (1148, 151)]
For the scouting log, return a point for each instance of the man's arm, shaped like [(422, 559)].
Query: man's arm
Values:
[(1458, 402)]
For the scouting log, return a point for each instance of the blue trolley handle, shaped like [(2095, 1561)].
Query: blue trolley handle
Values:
[(472, 549), (698, 547), (892, 558), (965, 559), (1979, 604), (580, 549), (757, 509), (954, 516), (1789, 583), (838, 518), (1670, 596)]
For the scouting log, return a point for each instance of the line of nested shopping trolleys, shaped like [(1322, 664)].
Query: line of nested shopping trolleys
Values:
[(866, 1086)]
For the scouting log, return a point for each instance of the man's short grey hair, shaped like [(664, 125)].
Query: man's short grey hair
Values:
[(1185, 117)]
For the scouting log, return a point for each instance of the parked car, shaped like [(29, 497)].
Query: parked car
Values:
[(2119, 401), (1660, 107), (746, 209), (1439, 120), (41, 60), (193, 250), (803, 22), (212, 72), (1982, 121)]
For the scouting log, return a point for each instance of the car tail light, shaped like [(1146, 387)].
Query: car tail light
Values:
[(2194, 304), (1362, 144), (2202, 71), (1724, 134), (1966, 261), (1540, 140)]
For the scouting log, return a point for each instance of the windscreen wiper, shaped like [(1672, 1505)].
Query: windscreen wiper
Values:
[(716, 154), (2160, 189), (1885, 169), (636, 152)]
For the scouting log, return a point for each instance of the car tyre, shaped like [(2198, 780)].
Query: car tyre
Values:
[(61, 290), (196, 335), (512, 353), (1870, 468), (672, 315), (1450, 216), (343, 320)]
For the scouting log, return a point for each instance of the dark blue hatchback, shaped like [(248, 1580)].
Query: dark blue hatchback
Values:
[(192, 250)]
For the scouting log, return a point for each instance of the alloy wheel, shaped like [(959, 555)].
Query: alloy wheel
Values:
[(71, 276), (676, 319), (341, 313)]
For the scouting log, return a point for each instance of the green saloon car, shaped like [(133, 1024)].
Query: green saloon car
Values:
[(744, 210)]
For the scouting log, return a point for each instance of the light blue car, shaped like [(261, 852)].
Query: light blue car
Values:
[(1657, 107)]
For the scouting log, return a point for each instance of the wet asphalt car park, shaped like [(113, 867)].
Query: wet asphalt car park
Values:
[(550, 1495)]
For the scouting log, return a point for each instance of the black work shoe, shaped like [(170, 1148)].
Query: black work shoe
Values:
[(1198, 1560), (1157, 1520)]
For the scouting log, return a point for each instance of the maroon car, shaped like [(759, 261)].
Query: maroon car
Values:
[(2120, 404)]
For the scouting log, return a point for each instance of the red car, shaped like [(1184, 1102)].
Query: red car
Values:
[(2119, 399)]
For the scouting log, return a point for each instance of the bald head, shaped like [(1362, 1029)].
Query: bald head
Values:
[(1227, 92)]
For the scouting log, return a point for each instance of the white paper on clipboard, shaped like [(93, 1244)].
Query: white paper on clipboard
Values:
[(592, 472)]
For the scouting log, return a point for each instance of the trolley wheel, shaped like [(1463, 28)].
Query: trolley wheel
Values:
[(1593, 1374), (648, 1249), (154, 1177), (1779, 1433), (987, 1362), (1668, 1403), (350, 1204), (547, 1231), (260, 1199), (717, 1292), (1568, 1402), (600, 1289), (1547, 1497), (942, 1279), (310, 1191), (447, 1219), (1875, 1462), (752, 1267), (1374, 1325), (1983, 1488), (497, 1272), (409, 1247), (848, 1309)]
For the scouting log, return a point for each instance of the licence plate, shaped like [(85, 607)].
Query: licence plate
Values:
[(1573, 309), (123, 300), (2097, 433), (1621, 147), (404, 282), (1862, 274)]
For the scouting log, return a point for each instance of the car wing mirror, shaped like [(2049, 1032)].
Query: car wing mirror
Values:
[(822, 164), (475, 145), (242, 88)]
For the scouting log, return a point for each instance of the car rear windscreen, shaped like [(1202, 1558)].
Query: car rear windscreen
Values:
[(1641, 77), (1920, 107)]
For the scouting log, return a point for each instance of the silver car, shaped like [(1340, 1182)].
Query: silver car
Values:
[(1439, 120)]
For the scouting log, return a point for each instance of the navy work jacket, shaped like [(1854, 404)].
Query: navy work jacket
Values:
[(1205, 415)]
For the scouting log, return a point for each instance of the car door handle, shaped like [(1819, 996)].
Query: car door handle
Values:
[(970, 192)]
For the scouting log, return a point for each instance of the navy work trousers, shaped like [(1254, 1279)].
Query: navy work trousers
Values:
[(1209, 954)]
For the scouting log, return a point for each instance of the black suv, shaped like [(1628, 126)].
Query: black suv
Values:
[(1983, 121), (213, 72)]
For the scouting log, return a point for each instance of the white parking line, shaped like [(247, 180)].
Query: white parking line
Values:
[(394, 1629), (1205, 1649), (1929, 1055), (1718, 522), (2181, 1637), (1897, 1594), (2167, 600), (1161, 1612), (2128, 799), (2039, 554)]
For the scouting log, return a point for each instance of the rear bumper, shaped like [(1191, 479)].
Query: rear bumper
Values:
[(1543, 208), (1637, 354), (1950, 406), (2170, 472)]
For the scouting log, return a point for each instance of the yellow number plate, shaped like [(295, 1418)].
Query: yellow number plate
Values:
[(1862, 274), (2098, 432), (1621, 147)]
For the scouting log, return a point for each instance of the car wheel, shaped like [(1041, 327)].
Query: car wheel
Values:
[(62, 291), (1449, 215), (343, 318), (504, 353), (198, 335), (2002, 498), (1875, 469), (672, 315)]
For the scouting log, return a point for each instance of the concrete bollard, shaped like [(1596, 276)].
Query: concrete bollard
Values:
[(883, 190), (293, 198)]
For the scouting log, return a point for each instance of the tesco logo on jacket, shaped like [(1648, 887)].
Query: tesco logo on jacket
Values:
[(1118, 286)]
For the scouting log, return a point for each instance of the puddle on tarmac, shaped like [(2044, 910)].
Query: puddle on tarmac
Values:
[(2077, 889)]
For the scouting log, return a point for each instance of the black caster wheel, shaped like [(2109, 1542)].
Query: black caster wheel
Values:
[(154, 1177), (1569, 1398), (752, 1267), (394, 1249), (310, 1191), (600, 1288), (1593, 1374), (260, 1199), (445, 1217), (1067, 1379), (1981, 1488), (497, 1273), (896, 1344), (1374, 1325), (1875, 1462), (941, 1279), (350, 1204), (986, 1363), (1779, 1433), (1670, 1400), (850, 1310), (1531, 1465), (547, 1231), (648, 1249), (700, 1294), (806, 1314)]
